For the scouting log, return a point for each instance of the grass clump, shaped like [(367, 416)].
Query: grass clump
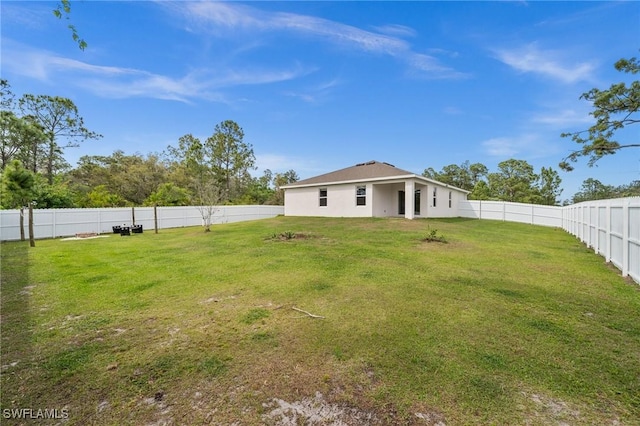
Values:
[(433, 236), (254, 315), (506, 324)]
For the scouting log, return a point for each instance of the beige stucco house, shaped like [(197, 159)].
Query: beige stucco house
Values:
[(372, 189)]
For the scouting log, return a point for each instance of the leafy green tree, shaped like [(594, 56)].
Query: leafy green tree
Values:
[(7, 97), (56, 196), (259, 190), (132, 177), (17, 191), (613, 109), (481, 191), (464, 176), (20, 138), (100, 196), (280, 180), (18, 183), (231, 157), (630, 190), (169, 194), (549, 187), (513, 182), (197, 159), (59, 120), (593, 189)]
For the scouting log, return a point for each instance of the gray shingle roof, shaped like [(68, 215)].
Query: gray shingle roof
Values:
[(362, 171)]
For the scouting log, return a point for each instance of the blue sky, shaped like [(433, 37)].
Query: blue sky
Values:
[(318, 86)]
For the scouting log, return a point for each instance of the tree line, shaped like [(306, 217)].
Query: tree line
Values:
[(35, 131)]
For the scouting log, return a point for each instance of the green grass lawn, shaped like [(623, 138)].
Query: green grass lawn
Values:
[(504, 324)]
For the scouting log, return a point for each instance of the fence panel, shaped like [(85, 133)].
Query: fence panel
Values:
[(512, 212), (611, 228), (54, 223)]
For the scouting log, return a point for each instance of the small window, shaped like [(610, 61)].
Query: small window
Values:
[(361, 195), (449, 199), (323, 197), (416, 202), (435, 195)]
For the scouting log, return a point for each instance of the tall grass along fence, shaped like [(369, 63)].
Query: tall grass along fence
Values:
[(53, 223), (610, 227)]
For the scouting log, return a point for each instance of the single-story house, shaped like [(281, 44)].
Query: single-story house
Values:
[(372, 189)]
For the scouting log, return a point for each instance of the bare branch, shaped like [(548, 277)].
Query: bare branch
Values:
[(305, 312)]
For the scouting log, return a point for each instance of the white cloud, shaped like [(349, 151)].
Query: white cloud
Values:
[(550, 63), (33, 16), (316, 93), (523, 146), (500, 147), (222, 18), (120, 82), (564, 118), (396, 30)]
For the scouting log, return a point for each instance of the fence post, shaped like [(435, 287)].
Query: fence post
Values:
[(155, 217), (597, 226), (53, 224), (625, 236), (608, 231), (533, 220)]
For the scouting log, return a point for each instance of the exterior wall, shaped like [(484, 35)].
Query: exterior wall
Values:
[(341, 201), (442, 209), (382, 200), (386, 199)]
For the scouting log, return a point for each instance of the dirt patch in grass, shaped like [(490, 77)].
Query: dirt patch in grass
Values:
[(84, 236), (315, 411)]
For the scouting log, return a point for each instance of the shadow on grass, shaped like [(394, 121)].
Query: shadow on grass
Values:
[(16, 350)]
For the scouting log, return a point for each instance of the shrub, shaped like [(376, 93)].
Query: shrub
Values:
[(433, 236)]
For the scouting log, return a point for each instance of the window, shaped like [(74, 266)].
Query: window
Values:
[(416, 202), (361, 195), (323, 197), (449, 199), (435, 195)]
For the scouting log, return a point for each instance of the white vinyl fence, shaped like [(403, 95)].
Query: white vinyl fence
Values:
[(533, 214), (53, 223), (611, 228)]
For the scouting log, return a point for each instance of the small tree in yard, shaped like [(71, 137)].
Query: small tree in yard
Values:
[(197, 161), (17, 191)]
